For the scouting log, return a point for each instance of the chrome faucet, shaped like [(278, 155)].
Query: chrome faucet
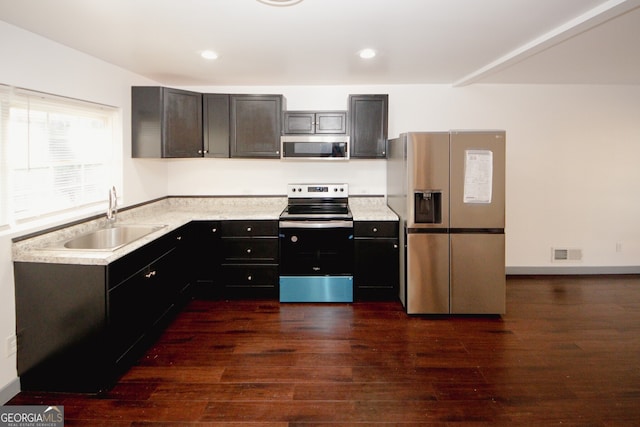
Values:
[(112, 210)]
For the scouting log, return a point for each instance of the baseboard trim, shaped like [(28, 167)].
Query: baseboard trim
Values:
[(572, 270), (9, 391)]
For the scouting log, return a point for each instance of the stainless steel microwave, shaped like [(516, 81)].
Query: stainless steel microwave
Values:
[(317, 147)]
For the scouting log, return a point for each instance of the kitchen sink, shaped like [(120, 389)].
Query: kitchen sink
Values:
[(110, 238)]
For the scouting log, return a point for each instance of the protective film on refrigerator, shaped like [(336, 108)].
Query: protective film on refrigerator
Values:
[(478, 176)]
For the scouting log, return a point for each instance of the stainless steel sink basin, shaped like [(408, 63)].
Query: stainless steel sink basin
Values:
[(110, 238)]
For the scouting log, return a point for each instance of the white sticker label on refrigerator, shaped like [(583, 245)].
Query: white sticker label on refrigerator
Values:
[(478, 176)]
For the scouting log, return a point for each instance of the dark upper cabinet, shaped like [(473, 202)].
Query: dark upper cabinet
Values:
[(256, 125), (368, 125), (315, 122), (165, 122), (215, 111)]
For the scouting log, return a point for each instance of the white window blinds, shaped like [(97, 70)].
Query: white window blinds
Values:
[(56, 153)]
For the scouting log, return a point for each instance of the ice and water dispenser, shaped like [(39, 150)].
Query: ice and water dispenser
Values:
[(428, 207)]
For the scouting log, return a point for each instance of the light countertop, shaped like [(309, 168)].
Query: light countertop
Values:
[(173, 212)]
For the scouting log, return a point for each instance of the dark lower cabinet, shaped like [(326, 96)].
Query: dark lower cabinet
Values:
[(205, 250), (249, 259), (80, 326), (377, 260), (235, 258)]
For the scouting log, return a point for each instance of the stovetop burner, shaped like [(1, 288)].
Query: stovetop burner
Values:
[(317, 201)]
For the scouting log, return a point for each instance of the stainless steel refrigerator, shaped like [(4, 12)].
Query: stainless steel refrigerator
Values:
[(448, 188)]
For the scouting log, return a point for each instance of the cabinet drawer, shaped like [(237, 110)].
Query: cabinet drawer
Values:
[(244, 228), (243, 250), (375, 229), (250, 275)]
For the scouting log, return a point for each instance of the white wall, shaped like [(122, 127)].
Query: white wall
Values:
[(572, 173)]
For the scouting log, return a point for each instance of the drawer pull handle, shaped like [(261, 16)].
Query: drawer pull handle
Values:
[(150, 274)]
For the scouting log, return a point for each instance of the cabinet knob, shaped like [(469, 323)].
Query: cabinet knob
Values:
[(249, 278), (248, 228), (150, 274), (375, 230), (214, 230), (395, 246), (179, 238), (249, 250)]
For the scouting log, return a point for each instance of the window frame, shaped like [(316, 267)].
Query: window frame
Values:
[(67, 124)]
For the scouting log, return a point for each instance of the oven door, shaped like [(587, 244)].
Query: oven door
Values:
[(316, 248), (316, 261)]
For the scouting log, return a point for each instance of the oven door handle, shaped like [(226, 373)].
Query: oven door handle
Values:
[(316, 224)]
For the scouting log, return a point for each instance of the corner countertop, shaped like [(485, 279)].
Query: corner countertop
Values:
[(172, 213)]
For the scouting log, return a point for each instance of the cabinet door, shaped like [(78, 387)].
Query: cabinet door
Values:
[(128, 314), (368, 125), (165, 122), (299, 122), (331, 122), (256, 125), (216, 125), (137, 303), (376, 272), (205, 251), (377, 260), (182, 123)]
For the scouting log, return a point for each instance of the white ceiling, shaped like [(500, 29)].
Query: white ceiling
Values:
[(455, 42)]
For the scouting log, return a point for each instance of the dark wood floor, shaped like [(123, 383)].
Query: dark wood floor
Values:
[(567, 352)]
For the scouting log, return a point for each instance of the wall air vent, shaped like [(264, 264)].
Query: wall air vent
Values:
[(565, 254)]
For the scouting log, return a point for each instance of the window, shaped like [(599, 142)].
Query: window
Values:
[(57, 154)]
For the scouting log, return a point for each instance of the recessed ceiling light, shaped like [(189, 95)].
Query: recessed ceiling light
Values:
[(367, 53), (280, 2), (209, 54)]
